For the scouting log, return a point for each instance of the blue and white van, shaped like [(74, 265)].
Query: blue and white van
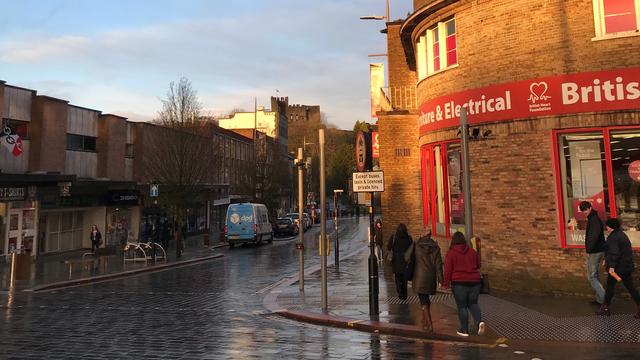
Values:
[(247, 222)]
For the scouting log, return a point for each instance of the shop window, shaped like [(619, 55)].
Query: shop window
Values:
[(442, 195), (625, 167), (81, 143), (436, 49), (128, 150), (602, 167), (456, 197), (425, 162), (584, 178), (438, 199), (616, 16), (64, 231)]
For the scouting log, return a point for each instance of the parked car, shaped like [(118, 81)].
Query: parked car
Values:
[(296, 219), (286, 226), (307, 220), (247, 222)]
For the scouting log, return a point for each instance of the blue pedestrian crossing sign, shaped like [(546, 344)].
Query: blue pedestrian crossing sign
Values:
[(154, 190)]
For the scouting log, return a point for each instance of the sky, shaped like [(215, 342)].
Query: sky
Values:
[(119, 56)]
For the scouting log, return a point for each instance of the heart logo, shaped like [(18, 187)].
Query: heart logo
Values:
[(538, 91)]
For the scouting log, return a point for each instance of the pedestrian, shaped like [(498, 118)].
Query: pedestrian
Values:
[(95, 237), (378, 239), (619, 263), (427, 273), (398, 246), (594, 246), (462, 274)]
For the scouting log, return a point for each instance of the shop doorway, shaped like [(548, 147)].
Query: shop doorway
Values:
[(21, 229)]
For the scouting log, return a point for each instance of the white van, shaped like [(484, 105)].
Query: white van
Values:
[(247, 222)]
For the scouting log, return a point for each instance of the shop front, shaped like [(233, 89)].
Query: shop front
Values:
[(18, 214), (122, 217), (67, 214), (533, 159)]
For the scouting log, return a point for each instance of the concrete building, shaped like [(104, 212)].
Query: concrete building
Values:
[(552, 89), (270, 122), (62, 170)]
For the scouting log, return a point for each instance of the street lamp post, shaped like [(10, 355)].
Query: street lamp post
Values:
[(335, 214), (300, 243)]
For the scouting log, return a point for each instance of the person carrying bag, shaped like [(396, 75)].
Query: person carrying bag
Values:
[(425, 261), (399, 247)]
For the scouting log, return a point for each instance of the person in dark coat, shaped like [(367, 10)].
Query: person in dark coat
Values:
[(427, 273), (399, 245), (462, 273), (95, 237), (619, 263), (594, 246)]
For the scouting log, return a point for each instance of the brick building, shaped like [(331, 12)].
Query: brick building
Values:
[(553, 98)]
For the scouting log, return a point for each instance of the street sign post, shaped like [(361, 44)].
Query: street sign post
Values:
[(372, 181), (368, 181), (154, 190)]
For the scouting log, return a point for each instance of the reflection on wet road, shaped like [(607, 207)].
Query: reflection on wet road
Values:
[(207, 311)]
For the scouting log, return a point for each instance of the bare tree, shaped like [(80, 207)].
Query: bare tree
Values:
[(181, 157)]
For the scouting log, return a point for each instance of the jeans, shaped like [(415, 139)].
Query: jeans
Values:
[(466, 297), (627, 280), (593, 275)]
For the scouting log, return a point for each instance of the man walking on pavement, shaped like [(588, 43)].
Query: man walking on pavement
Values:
[(594, 246)]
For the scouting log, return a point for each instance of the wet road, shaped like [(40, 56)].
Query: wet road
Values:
[(208, 311)]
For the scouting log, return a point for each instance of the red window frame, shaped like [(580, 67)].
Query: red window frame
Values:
[(606, 133), (429, 211)]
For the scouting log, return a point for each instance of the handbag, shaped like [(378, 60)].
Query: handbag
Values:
[(485, 288), (389, 254)]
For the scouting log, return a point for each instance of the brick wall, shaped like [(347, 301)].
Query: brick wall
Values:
[(49, 131), (514, 203), (495, 45), (398, 71), (401, 200), (512, 176)]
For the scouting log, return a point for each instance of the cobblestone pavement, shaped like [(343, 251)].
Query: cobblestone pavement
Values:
[(348, 296), (207, 311)]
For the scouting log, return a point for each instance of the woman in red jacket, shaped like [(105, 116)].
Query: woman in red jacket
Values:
[(462, 273)]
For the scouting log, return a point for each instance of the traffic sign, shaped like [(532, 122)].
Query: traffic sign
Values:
[(154, 190), (375, 145), (372, 181)]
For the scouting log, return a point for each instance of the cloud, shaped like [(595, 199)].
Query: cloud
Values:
[(35, 50), (315, 52)]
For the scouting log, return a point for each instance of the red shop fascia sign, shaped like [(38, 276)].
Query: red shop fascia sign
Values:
[(564, 94)]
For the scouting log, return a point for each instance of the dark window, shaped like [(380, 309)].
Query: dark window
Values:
[(128, 150), (81, 143)]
